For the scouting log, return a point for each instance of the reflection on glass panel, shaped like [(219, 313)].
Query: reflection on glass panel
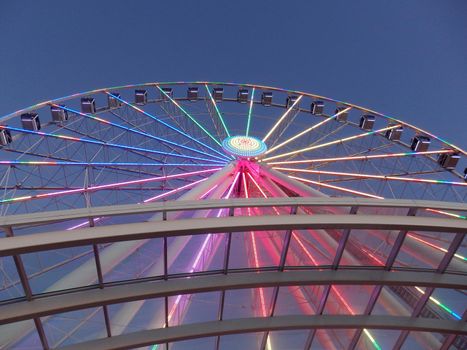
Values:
[(423, 340), (20, 335), (241, 341), (193, 344), (130, 260), (256, 249), (444, 303), (347, 300), (459, 261), (136, 316), (201, 307), (255, 302), (332, 339), (312, 247), (10, 284), (376, 339), (60, 269), (290, 340), (368, 247), (74, 327), (396, 301), (423, 249), (298, 300)]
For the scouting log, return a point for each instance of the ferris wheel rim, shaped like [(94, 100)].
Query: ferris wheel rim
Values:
[(232, 84)]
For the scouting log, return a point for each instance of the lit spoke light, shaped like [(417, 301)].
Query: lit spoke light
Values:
[(370, 176), (165, 124), (308, 130), (104, 121), (217, 111), (374, 156), (107, 186), (346, 139), (189, 116)]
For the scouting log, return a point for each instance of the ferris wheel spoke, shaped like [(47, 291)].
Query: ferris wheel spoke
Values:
[(169, 126), (219, 114), (108, 186), (307, 130), (131, 130), (346, 139), (250, 109), (100, 164), (372, 176), (60, 160), (102, 143), (281, 119), (185, 112), (367, 157), (339, 188)]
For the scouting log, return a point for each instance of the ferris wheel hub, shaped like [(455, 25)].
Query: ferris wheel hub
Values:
[(243, 146)]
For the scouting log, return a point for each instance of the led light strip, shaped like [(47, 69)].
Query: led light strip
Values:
[(167, 125), (249, 112), (331, 143), (104, 121), (101, 143), (335, 187), (102, 164), (282, 118), (189, 116), (374, 156), (107, 186), (308, 130), (217, 110), (370, 176)]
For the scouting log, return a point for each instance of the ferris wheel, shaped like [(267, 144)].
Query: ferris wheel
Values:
[(190, 152)]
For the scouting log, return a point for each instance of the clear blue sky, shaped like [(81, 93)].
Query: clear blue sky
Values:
[(403, 58)]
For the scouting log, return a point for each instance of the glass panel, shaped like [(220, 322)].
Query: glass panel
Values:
[(290, 340), (375, 339), (298, 300), (256, 249), (136, 316), (193, 344), (368, 247), (332, 339), (423, 249), (20, 335), (241, 341), (423, 340), (60, 269), (10, 284), (459, 261), (312, 247), (347, 300), (396, 301), (444, 303), (247, 303), (202, 307), (187, 254), (74, 327), (130, 260)]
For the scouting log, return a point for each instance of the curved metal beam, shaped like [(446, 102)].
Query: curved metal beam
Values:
[(136, 231), (132, 291), (71, 214), (261, 324)]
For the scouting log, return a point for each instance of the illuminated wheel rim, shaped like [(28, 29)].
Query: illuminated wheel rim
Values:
[(156, 142)]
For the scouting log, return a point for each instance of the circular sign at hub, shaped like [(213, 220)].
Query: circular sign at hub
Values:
[(244, 146)]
